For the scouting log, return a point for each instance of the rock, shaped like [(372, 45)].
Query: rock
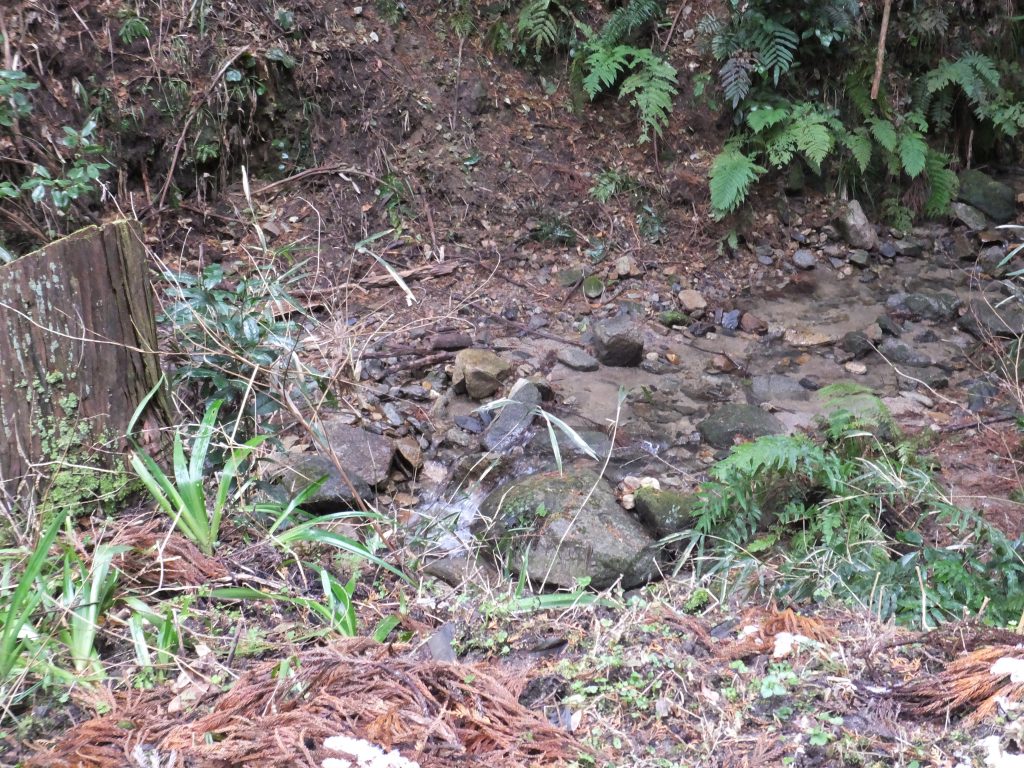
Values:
[(752, 323), (625, 266), (577, 359), (562, 528), (664, 512), (692, 301), (806, 337), (927, 306), (462, 439), (932, 377), (856, 343), (889, 326), (733, 420), (473, 97), (969, 215), (470, 424), (478, 372), (295, 472), (983, 320), (361, 453), (991, 260), (887, 250), (856, 368), (731, 320), (991, 197), (617, 341), (514, 419), (961, 248), (804, 259), (901, 353), (567, 278), (860, 258), (774, 387), (855, 228)]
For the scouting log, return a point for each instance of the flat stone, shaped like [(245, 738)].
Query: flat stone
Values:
[(577, 359), (970, 216), (925, 305), (859, 257), (664, 512), (983, 319), (478, 372), (691, 300), (361, 453), (751, 323), (804, 259), (856, 343), (806, 337), (295, 472), (774, 387), (856, 368), (901, 353), (733, 420), (618, 342)]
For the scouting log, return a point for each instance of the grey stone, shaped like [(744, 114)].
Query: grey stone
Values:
[(983, 319), (991, 260), (909, 249), (577, 359), (361, 453), (618, 341), (295, 472), (856, 343), (562, 528), (928, 306), (804, 259), (731, 320), (966, 214), (901, 353), (513, 422), (889, 326), (991, 197), (462, 439), (665, 512), (887, 250), (855, 228), (733, 420), (773, 387), (860, 257), (478, 372)]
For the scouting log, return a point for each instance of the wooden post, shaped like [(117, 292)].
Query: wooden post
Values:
[(77, 351)]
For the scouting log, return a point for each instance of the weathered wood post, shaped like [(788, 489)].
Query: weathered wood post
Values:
[(77, 351)]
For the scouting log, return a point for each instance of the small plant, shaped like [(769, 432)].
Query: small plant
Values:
[(14, 101), (231, 342), (553, 423), (133, 27), (184, 499), (86, 593)]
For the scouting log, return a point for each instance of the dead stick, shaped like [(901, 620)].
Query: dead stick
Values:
[(880, 57), (320, 171)]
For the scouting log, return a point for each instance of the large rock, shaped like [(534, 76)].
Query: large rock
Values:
[(478, 372), (855, 228), (902, 353), (665, 512), (295, 472), (618, 341), (562, 528), (514, 419), (988, 195), (733, 420), (969, 215), (983, 319), (939, 306), (361, 453)]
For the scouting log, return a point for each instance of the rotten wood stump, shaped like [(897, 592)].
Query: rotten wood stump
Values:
[(77, 351)]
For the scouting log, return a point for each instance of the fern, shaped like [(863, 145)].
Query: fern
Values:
[(859, 144), (759, 118), (942, 184), (884, 133), (651, 88), (912, 151), (734, 77), (629, 17), (538, 25), (776, 46), (732, 173), (604, 65)]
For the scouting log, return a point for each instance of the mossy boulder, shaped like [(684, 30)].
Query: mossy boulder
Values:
[(665, 512), (732, 420), (561, 528)]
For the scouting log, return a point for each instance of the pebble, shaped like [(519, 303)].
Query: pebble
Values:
[(856, 368), (804, 259), (691, 300)]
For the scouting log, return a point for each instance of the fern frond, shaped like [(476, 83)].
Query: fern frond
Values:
[(859, 144), (604, 65), (776, 46), (884, 133), (734, 77), (942, 184), (652, 88), (759, 118), (913, 151), (538, 25), (628, 17), (732, 173)]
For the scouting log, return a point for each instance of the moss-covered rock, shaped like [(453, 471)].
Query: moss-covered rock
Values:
[(560, 529), (665, 512)]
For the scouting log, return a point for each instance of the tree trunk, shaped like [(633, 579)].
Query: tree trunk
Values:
[(77, 352)]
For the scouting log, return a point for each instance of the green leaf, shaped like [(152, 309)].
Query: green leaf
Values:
[(732, 173), (913, 151), (759, 118)]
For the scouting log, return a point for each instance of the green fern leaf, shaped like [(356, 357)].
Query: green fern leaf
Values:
[(759, 118), (813, 139), (913, 151), (942, 184), (626, 18), (604, 65), (884, 133), (652, 87), (776, 45), (859, 144), (732, 173), (538, 25)]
